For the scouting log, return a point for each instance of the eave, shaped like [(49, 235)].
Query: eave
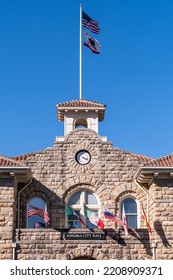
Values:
[(61, 111), (146, 174), (21, 174)]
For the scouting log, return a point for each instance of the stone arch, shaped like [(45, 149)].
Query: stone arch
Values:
[(80, 123), (34, 190), (85, 253), (81, 183), (127, 193), (83, 131), (76, 182)]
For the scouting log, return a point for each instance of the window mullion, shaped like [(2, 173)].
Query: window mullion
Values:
[(82, 201)]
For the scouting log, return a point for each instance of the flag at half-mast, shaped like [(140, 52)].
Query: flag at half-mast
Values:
[(89, 23), (91, 43)]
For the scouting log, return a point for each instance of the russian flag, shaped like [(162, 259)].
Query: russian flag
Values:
[(108, 215)]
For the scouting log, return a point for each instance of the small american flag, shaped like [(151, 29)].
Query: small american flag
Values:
[(32, 210), (90, 23)]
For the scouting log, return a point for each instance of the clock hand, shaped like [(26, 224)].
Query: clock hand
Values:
[(84, 157)]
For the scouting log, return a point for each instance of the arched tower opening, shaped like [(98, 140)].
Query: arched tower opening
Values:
[(80, 123)]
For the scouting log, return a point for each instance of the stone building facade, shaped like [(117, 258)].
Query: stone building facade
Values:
[(83, 167)]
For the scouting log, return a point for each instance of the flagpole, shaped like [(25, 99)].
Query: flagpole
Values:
[(80, 55)]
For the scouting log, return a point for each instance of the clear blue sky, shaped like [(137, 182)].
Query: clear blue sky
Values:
[(133, 75)]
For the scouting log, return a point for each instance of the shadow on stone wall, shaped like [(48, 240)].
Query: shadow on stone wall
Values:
[(142, 235), (159, 229)]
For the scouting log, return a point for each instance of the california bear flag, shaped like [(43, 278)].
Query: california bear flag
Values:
[(92, 43)]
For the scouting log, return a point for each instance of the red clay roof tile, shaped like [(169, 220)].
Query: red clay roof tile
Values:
[(81, 103), (141, 158), (162, 161), (4, 161), (15, 161), (24, 156)]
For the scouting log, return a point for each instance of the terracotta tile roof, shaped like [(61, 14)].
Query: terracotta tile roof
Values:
[(142, 159), (162, 161), (24, 157), (5, 161), (81, 103), (17, 160)]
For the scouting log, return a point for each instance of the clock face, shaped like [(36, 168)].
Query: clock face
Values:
[(83, 157)]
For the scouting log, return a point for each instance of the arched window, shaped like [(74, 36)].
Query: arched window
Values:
[(36, 213), (76, 203), (131, 211), (81, 123)]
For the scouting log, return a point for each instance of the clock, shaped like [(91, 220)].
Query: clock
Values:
[(83, 157)]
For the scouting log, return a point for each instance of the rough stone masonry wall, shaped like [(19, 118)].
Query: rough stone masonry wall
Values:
[(51, 244), (161, 211), (57, 175), (7, 216), (110, 176)]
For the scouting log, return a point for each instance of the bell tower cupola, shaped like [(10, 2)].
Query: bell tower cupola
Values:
[(80, 114)]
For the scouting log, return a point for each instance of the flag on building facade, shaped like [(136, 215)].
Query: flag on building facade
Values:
[(124, 220), (90, 23), (110, 216), (144, 218), (93, 217), (70, 211), (91, 43), (32, 210)]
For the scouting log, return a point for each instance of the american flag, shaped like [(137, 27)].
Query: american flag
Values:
[(32, 210), (90, 23)]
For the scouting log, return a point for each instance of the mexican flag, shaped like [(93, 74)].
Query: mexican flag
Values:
[(70, 211), (94, 219)]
